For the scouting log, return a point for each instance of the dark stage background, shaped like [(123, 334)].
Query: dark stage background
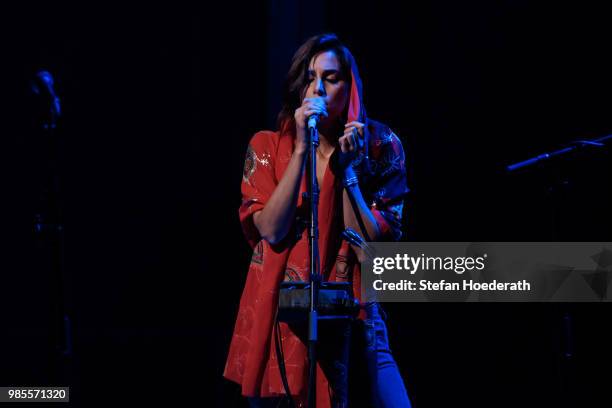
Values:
[(159, 104)]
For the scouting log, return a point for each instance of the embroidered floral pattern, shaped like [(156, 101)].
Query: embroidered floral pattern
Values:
[(292, 274), (257, 257), (250, 163)]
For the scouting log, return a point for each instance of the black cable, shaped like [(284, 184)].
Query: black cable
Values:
[(280, 356)]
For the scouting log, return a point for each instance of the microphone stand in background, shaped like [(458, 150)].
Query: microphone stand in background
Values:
[(555, 188), (45, 111), (574, 147)]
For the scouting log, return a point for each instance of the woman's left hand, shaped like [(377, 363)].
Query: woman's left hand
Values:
[(350, 143)]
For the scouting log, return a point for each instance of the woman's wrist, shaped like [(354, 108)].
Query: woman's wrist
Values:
[(300, 150), (349, 178), (348, 172)]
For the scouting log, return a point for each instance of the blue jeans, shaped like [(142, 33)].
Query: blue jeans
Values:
[(386, 384)]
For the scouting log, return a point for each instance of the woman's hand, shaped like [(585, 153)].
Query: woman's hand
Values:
[(310, 106), (350, 143)]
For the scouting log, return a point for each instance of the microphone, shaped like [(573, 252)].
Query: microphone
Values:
[(313, 121)]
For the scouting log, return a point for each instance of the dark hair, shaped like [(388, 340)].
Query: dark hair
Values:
[(297, 77)]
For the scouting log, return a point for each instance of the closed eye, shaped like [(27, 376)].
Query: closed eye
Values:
[(332, 76)]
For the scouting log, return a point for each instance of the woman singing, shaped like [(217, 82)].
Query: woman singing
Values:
[(362, 180)]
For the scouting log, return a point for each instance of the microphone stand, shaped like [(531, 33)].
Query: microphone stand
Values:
[(566, 346), (48, 217), (315, 272), (574, 146)]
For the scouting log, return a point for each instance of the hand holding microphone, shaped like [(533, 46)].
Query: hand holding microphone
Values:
[(307, 116)]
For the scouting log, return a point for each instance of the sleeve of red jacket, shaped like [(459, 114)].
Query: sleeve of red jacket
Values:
[(391, 189), (258, 182)]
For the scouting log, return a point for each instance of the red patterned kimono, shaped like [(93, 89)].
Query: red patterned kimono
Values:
[(252, 360)]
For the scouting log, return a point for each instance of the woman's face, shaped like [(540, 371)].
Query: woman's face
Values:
[(325, 81)]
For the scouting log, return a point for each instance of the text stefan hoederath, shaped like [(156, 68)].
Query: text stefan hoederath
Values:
[(458, 265), (487, 272)]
